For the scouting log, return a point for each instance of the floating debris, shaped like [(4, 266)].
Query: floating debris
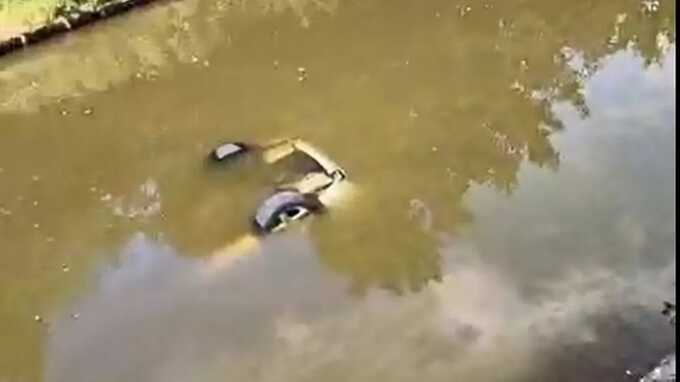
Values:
[(35, 178), (37, 318), (464, 10), (413, 113), (650, 6), (302, 74), (194, 59), (65, 268), (517, 87), (75, 316), (88, 111), (36, 225), (64, 112), (106, 198), (276, 64), (524, 65)]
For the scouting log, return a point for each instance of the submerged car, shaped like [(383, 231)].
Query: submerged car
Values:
[(300, 193)]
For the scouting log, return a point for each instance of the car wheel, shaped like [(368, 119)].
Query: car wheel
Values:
[(282, 208)]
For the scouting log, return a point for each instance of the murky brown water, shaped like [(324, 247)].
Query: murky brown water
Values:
[(513, 213)]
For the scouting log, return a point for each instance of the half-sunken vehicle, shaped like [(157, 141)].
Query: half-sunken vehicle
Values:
[(306, 192)]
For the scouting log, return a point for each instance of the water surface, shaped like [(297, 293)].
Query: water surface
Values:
[(513, 213)]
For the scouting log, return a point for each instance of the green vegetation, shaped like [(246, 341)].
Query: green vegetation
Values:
[(19, 15)]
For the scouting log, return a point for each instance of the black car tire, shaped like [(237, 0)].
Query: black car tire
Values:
[(284, 206)]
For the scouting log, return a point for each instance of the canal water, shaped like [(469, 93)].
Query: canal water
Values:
[(511, 214)]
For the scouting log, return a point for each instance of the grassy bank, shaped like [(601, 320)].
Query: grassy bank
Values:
[(17, 16)]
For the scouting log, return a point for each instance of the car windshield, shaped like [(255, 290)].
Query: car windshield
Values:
[(292, 168)]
